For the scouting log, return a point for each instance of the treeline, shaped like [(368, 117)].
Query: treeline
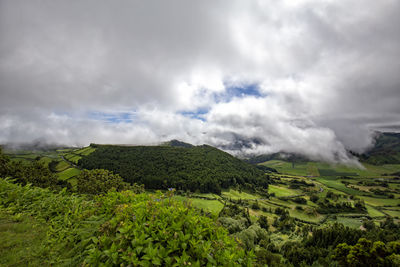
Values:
[(202, 168)]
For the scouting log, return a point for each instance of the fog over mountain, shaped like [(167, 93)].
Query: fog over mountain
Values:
[(311, 77)]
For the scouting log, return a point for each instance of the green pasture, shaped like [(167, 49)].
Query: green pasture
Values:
[(21, 241), (350, 222), (234, 194), (68, 173), (305, 217), (336, 184), (85, 151), (62, 166), (281, 191), (300, 169), (373, 212), (325, 169), (393, 213), (213, 206), (73, 158), (380, 201)]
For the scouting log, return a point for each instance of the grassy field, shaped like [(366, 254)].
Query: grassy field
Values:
[(62, 165), (373, 212), (281, 191), (380, 201), (281, 166), (336, 184), (21, 241), (234, 194), (213, 206), (73, 158), (85, 151), (393, 213), (68, 173), (325, 169), (350, 222)]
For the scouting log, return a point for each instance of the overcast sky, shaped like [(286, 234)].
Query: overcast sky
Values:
[(312, 77)]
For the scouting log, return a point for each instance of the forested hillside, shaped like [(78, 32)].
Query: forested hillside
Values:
[(386, 150), (202, 168)]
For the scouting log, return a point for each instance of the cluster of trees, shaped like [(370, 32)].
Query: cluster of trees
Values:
[(368, 253), (329, 245), (100, 181), (379, 246), (327, 206), (202, 168)]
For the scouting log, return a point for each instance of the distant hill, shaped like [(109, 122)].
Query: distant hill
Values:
[(202, 168), (177, 143), (277, 156), (386, 150)]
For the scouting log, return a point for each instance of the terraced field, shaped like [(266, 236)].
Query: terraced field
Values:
[(64, 160)]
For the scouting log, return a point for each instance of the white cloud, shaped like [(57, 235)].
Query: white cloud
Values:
[(321, 67)]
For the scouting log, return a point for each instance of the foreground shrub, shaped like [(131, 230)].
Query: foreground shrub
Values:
[(99, 181), (124, 228)]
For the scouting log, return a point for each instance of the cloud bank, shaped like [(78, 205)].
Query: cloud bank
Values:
[(251, 77)]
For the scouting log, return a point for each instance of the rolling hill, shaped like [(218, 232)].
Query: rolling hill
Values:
[(203, 168), (386, 150)]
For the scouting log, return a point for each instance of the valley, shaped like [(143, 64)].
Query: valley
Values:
[(269, 205)]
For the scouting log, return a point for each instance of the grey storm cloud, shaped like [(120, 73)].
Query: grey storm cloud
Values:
[(326, 73)]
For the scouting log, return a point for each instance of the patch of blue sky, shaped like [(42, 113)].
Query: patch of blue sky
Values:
[(238, 92), (196, 114), (117, 117)]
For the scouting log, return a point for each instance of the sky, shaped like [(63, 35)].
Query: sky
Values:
[(312, 77)]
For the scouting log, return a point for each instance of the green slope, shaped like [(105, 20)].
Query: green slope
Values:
[(202, 168)]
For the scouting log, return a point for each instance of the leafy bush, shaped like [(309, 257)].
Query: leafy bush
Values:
[(263, 222), (98, 181), (368, 253), (123, 228), (299, 200), (233, 225), (251, 236), (314, 198)]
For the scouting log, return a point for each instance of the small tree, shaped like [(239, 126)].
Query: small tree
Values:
[(263, 222)]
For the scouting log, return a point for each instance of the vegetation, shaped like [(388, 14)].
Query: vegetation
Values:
[(99, 182), (385, 151), (123, 228), (21, 240), (201, 168), (348, 217)]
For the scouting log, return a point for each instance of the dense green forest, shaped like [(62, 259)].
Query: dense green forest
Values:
[(197, 168)]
